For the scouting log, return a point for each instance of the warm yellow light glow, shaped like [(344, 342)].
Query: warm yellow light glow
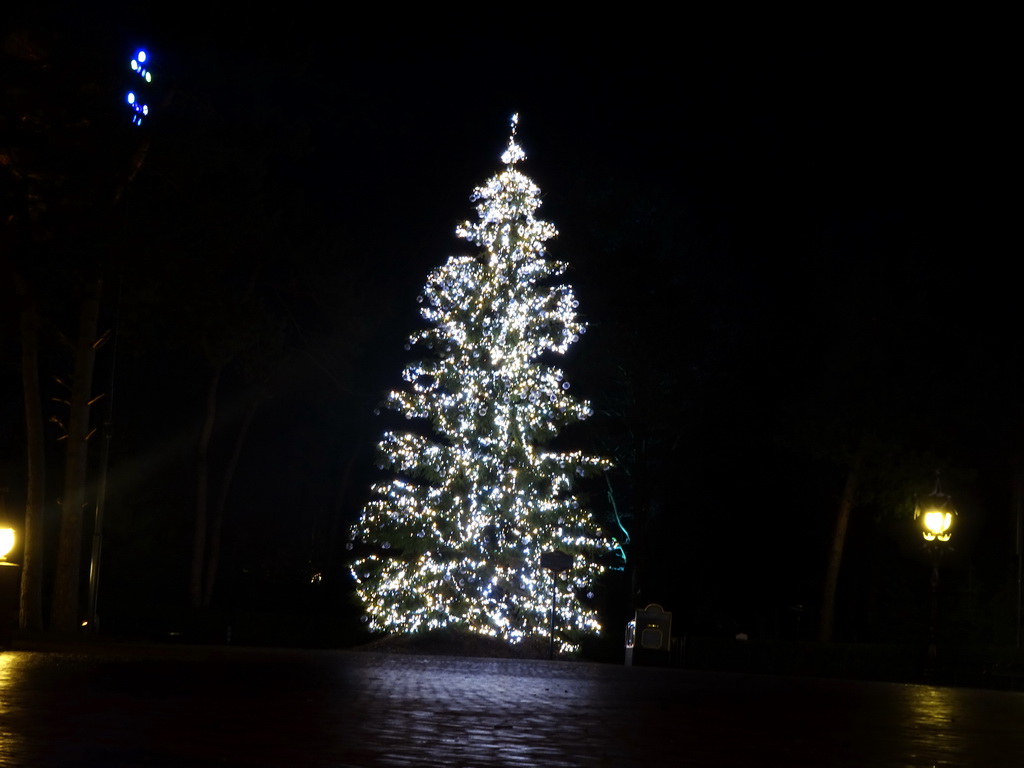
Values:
[(6, 541), (937, 525)]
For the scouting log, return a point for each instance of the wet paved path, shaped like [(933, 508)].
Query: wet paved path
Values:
[(188, 707)]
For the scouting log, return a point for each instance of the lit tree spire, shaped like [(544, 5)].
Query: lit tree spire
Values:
[(456, 535)]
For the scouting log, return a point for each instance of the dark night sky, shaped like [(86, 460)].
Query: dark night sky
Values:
[(746, 204)]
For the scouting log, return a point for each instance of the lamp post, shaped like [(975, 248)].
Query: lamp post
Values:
[(556, 562), (138, 102), (935, 514)]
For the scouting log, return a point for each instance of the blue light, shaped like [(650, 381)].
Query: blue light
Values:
[(139, 110), (136, 65)]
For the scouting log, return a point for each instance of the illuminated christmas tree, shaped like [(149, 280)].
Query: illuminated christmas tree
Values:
[(455, 538)]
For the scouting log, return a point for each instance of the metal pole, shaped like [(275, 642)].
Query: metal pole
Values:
[(97, 531), (933, 646), (554, 593), (1019, 554), (101, 485), (1018, 543)]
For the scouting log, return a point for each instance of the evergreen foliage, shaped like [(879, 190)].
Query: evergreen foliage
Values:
[(455, 537)]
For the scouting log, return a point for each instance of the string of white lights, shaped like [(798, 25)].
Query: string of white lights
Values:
[(455, 537)]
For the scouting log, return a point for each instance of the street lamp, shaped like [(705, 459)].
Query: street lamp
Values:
[(935, 513)]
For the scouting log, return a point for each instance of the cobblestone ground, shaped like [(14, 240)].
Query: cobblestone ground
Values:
[(241, 707)]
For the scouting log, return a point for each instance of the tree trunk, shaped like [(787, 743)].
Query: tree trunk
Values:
[(64, 616), (30, 612), (202, 492), (826, 619), (217, 524)]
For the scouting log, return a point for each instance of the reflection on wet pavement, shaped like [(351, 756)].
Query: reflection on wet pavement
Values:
[(931, 713), (185, 707), (9, 741)]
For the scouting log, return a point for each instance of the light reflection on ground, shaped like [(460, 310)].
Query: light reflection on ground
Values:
[(190, 706), (932, 714), (8, 739)]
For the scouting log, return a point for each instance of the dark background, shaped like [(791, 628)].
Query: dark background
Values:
[(791, 240)]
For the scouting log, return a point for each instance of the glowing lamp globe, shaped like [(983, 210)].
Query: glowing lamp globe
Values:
[(935, 513), (936, 525), (6, 541)]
